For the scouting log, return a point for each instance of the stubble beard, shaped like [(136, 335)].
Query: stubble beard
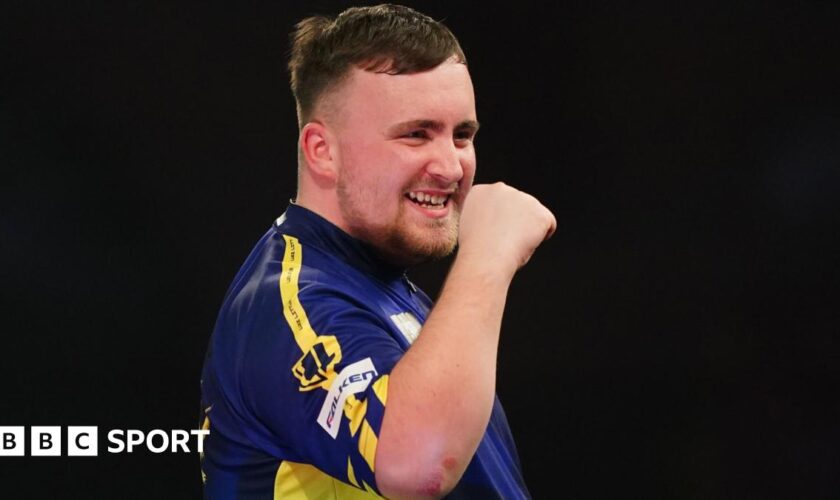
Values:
[(400, 241)]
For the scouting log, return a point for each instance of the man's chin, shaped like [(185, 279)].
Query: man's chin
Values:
[(411, 250), (408, 243), (409, 259)]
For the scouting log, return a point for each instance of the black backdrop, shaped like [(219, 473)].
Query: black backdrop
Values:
[(677, 338)]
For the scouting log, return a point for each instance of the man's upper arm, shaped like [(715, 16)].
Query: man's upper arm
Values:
[(322, 391)]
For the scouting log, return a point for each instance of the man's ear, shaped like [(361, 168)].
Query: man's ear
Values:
[(319, 151)]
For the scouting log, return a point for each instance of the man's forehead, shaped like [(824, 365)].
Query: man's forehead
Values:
[(446, 87)]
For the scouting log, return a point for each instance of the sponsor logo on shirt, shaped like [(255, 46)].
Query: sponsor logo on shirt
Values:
[(352, 379), (316, 368), (408, 325)]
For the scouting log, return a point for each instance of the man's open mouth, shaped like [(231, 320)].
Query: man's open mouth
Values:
[(427, 200)]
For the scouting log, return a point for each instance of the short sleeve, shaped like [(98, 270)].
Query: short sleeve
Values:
[(321, 391)]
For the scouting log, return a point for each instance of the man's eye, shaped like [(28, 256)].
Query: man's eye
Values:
[(416, 134), (463, 136)]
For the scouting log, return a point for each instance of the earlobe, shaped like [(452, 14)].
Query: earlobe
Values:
[(318, 153)]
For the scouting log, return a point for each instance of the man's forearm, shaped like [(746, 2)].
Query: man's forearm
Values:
[(441, 392)]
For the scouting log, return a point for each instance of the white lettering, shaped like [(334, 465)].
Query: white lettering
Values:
[(150, 445), (200, 433), (115, 436), (180, 438), (134, 437)]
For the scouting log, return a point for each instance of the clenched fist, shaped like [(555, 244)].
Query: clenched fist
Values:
[(502, 226)]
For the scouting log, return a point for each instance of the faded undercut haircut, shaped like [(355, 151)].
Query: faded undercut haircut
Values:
[(385, 38)]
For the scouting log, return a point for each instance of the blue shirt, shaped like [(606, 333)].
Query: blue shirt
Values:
[(295, 382)]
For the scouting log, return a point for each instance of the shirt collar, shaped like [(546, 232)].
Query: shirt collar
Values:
[(315, 230)]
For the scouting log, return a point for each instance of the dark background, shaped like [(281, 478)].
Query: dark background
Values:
[(677, 338)]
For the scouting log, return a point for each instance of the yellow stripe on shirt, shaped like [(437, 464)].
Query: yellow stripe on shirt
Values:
[(292, 308), (367, 444), (292, 478), (328, 353), (380, 388), (295, 481)]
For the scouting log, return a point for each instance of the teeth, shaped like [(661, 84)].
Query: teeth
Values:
[(427, 199)]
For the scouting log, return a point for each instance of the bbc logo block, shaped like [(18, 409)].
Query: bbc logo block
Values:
[(11, 441), (47, 441), (82, 441)]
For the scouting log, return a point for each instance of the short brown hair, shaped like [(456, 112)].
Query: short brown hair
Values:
[(385, 38)]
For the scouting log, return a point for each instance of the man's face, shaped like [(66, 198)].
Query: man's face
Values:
[(405, 159)]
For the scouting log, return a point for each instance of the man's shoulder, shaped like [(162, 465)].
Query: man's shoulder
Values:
[(319, 269), (288, 278), (280, 251)]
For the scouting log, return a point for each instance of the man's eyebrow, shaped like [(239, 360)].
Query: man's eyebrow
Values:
[(433, 125), (470, 125)]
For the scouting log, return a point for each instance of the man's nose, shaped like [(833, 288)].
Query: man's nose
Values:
[(445, 163)]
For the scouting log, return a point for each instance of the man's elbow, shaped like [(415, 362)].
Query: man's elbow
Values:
[(410, 479)]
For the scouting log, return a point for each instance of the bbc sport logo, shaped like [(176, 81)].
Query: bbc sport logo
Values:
[(83, 441)]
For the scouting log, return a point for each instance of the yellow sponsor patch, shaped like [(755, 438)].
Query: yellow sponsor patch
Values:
[(316, 368)]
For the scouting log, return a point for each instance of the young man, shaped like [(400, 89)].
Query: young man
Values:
[(318, 382)]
